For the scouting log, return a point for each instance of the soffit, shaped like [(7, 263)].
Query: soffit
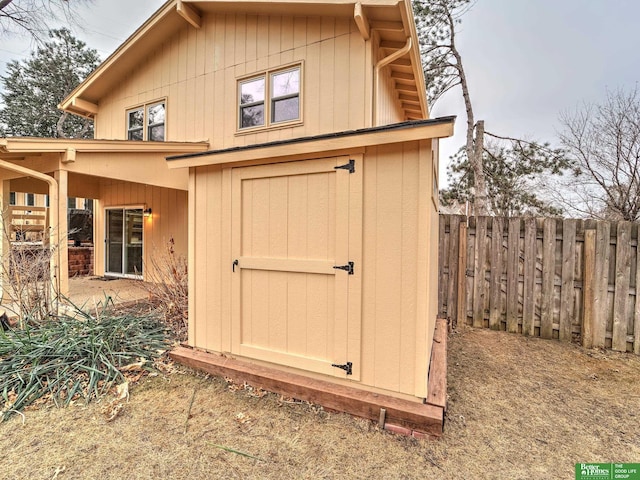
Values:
[(25, 145)]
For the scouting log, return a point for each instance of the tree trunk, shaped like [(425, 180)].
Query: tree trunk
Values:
[(480, 200), (473, 148), (59, 125)]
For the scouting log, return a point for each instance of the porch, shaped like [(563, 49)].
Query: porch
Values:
[(139, 205)]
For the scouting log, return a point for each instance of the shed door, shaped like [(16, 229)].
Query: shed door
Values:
[(292, 223)]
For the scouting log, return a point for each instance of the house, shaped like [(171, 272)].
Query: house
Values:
[(288, 147)]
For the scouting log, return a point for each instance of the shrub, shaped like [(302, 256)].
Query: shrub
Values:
[(76, 356), (168, 285)]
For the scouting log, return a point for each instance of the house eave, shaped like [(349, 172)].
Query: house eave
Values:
[(33, 145), (167, 20), (352, 139)]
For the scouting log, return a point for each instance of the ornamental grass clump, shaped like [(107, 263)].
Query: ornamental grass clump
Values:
[(76, 356)]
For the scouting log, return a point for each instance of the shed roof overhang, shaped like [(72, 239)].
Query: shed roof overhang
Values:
[(296, 147), (392, 20)]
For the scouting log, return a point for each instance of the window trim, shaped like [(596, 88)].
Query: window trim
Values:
[(145, 119), (135, 129), (267, 75)]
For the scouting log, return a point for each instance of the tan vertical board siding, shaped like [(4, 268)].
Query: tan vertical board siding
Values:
[(395, 191), (169, 219), (388, 268), (196, 70), (426, 240), (354, 330), (398, 265), (272, 321), (211, 238), (388, 106), (206, 269), (191, 261), (62, 177), (393, 185)]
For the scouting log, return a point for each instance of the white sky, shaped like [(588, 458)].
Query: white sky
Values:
[(526, 60)]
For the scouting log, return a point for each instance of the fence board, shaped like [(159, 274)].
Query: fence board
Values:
[(462, 274), (576, 275), (636, 316), (442, 241), (589, 287), (479, 272), (548, 277), (601, 288), (528, 292), (567, 293), (513, 265), (452, 280), (495, 286), (621, 292)]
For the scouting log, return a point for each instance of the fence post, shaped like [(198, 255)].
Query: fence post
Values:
[(588, 296), (462, 274)]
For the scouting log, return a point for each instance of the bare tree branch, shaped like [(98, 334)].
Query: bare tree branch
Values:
[(604, 140), (34, 17)]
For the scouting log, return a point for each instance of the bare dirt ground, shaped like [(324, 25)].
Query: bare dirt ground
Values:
[(519, 408)]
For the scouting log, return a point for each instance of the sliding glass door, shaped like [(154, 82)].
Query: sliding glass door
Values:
[(124, 230)]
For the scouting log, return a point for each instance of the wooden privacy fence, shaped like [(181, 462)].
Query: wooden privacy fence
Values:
[(576, 280)]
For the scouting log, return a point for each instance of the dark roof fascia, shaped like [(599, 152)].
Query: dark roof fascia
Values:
[(325, 136)]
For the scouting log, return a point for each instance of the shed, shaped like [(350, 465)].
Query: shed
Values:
[(313, 264)]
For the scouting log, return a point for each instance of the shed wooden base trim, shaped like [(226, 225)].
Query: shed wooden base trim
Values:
[(423, 418), (437, 386)]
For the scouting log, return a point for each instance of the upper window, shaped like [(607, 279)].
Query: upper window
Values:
[(147, 122), (12, 198), (30, 199), (270, 98)]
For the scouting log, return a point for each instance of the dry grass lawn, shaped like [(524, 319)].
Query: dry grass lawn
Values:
[(519, 408)]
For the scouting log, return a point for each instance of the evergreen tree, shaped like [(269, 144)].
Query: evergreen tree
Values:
[(33, 88), (516, 173)]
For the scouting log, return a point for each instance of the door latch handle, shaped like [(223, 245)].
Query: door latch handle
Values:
[(235, 264)]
